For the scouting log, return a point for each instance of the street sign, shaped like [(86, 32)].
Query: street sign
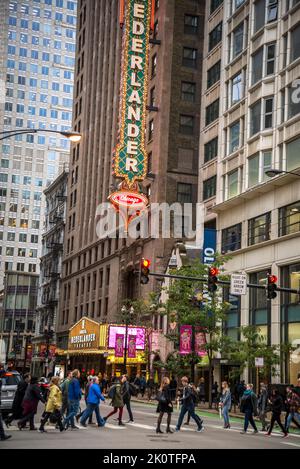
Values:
[(259, 361), (238, 284)]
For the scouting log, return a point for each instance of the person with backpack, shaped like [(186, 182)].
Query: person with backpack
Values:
[(93, 400), (65, 390), (276, 403), (188, 401), (116, 401), (248, 406), (225, 403), (293, 408), (126, 391)]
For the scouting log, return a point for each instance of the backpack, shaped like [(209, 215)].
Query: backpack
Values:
[(133, 390), (112, 392)]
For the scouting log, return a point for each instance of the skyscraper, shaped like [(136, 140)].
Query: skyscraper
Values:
[(37, 40)]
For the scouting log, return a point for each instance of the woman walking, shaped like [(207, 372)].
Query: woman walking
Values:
[(31, 399), (164, 405), (53, 406), (225, 403), (249, 408), (276, 402), (115, 395)]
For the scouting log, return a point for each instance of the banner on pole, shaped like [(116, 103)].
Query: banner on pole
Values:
[(119, 345), (186, 333), (200, 341), (131, 346)]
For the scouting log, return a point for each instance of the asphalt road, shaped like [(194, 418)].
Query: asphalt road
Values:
[(141, 434)]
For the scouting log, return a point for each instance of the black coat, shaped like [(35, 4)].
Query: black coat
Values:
[(249, 403), (165, 404), (277, 404), (17, 408)]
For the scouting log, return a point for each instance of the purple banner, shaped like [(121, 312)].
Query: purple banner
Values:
[(119, 345), (200, 341), (131, 346), (186, 340)]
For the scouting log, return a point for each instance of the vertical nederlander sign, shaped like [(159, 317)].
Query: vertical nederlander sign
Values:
[(130, 162)]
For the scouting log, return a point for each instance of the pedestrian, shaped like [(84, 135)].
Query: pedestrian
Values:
[(93, 401), (248, 406), (143, 385), (3, 435), (173, 388), (30, 402), (53, 406), (225, 403), (164, 405), (293, 408), (104, 383), (276, 403), (65, 393), (74, 396), (262, 406), (188, 405), (17, 409), (126, 396), (214, 392), (150, 387), (137, 383), (116, 401), (201, 391), (86, 392)]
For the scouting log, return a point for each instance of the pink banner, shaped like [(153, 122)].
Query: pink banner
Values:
[(186, 340), (131, 346), (119, 345), (200, 341)]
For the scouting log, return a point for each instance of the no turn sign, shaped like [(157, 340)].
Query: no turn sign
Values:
[(238, 284)]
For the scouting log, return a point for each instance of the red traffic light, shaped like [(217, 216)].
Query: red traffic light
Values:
[(272, 279), (213, 271), (146, 263)]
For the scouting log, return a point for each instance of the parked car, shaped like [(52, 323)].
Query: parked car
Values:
[(10, 381)]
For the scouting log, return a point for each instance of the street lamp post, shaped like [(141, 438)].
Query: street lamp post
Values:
[(74, 137), (272, 172), (128, 313)]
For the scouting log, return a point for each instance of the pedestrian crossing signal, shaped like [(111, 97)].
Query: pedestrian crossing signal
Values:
[(145, 270), (271, 287), (212, 279)]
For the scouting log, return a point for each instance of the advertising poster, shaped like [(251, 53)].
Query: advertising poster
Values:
[(119, 345), (131, 346), (186, 339), (200, 341)]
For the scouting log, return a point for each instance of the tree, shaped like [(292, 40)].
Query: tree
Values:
[(186, 302)]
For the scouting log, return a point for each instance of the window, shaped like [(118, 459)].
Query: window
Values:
[(189, 58), (3, 177), (292, 154), (214, 4), (237, 40), (212, 112), (237, 90), (215, 36), (231, 238), (263, 63), (258, 164), (257, 113), (272, 10), (21, 80), (259, 229), (21, 252), (186, 124), (11, 236), (35, 225), (211, 150), (184, 193), (259, 14), (289, 219), (213, 74), (209, 187), (22, 238), (293, 102), (191, 24), (268, 113), (188, 91), (270, 59), (233, 184), (236, 4), (9, 251), (151, 130), (295, 43), (234, 137)]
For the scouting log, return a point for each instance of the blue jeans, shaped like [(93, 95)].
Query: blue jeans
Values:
[(291, 416), (249, 419), (191, 410), (225, 412), (73, 411), (88, 412)]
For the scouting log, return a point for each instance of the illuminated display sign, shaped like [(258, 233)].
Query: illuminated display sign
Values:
[(138, 332), (131, 155)]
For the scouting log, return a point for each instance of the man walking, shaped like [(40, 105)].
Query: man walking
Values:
[(93, 400), (74, 395), (65, 393), (262, 406), (126, 396), (188, 405)]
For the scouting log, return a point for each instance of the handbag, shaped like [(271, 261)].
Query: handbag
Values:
[(161, 398)]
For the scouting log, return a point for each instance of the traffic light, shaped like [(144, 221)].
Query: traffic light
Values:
[(145, 270), (271, 287), (212, 279)]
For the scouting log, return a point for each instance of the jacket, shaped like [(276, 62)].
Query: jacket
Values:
[(226, 399), (293, 402), (249, 402), (94, 395), (188, 396), (55, 399), (74, 391), (125, 391), (32, 397), (18, 399), (262, 400), (117, 400), (65, 389), (277, 404)]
